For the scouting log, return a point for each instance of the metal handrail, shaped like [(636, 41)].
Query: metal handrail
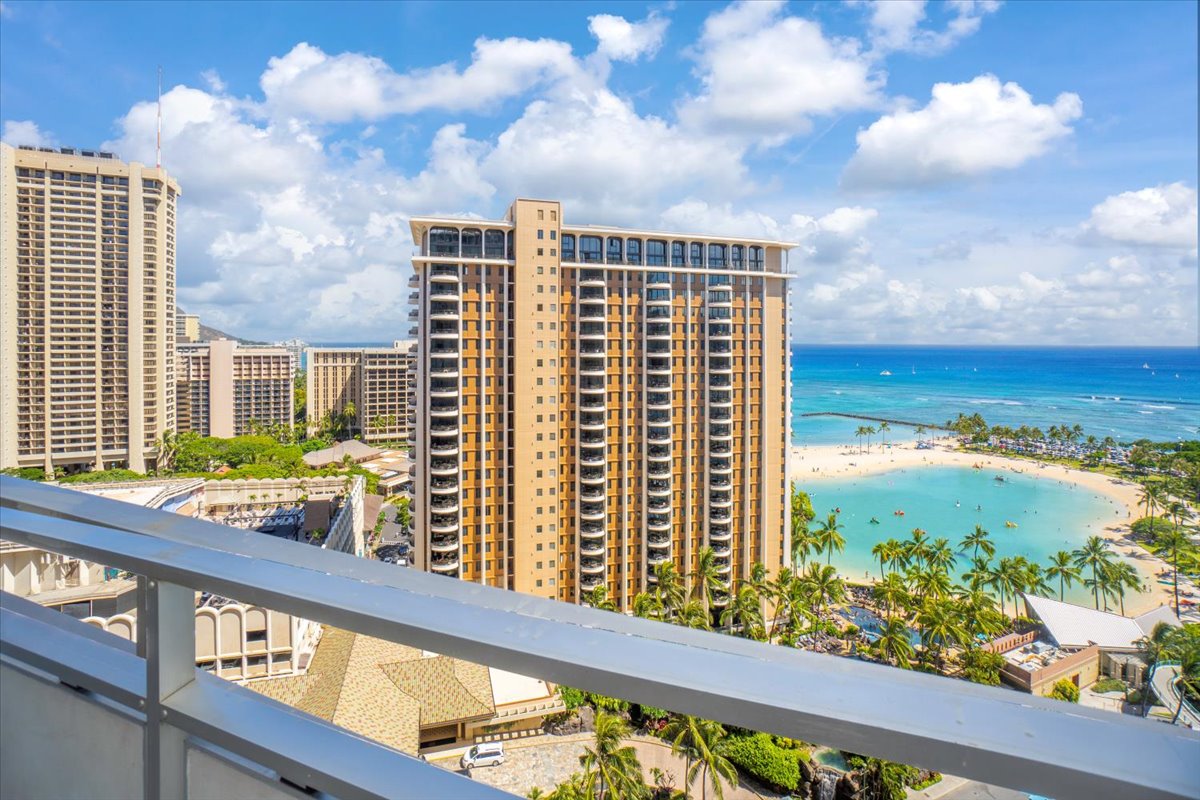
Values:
[(990, 734)]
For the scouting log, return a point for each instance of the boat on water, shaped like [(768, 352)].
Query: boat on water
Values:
[(874, 520), (1145, 365), (899, 512), (998, 479), (886, 372), (1008, 523)]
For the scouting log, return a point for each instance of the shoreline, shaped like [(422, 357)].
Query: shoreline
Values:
[(818, 463)]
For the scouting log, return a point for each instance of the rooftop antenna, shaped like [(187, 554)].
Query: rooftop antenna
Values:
[(158, 141)]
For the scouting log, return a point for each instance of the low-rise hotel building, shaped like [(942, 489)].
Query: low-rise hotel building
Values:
[(595, 401), (223, 386), (87, 309), (187, 327), (374, 381)]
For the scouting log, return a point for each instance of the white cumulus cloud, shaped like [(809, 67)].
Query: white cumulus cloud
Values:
[(896, 25), (622, 40), (26, 132), (966, 130), (1160, 216)]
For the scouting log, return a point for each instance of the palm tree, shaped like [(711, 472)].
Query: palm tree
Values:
[(940, 626), (893, 644), (693, 614), (977, 540), (1189, 676), (803, 543), (668, 589), (980, 574), (699, 742), (801, 513), (598, 598), (917, 546), (1151, 498), (870, 432), (823, 586), (780, 591), (1062, 568), (167, 448), (978, 612), (1094, 555), (861, 432), (1176, 541), (1035, 581), (1158, 646), (891, 593), (883, 554), (647, 606), (829, 538), (883, 429), (1123, 575), (920, 432), (706, 580), (940, 555), (744, 614), (1008, 579), (930, 582), (610, 766)]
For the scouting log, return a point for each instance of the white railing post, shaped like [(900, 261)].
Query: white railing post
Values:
[(167, 623)]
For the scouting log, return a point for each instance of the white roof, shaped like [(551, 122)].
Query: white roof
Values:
[(1078, 626), (509, 687), (1150, 619)]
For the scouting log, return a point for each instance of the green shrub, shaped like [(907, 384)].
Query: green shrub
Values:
[(1151, 527), (765, 761), (925, 784), (651, 714), (1065, 690), (27, 473), (104, 476), (572, 698), (613, 705), (1108, 685)]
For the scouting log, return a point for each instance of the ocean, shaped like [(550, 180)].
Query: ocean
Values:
[(1125, 392)]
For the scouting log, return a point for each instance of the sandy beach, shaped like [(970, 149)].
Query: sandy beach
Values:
[(816, 463)]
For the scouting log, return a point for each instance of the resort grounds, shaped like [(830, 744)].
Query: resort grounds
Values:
[(810, 464)]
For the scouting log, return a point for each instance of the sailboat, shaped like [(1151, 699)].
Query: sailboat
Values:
[(886, 372)]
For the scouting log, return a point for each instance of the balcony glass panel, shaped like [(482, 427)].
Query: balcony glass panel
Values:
[(615, 254), (716, 256), (656, 253), (568, 247), (591, 249), (493, 244), (696, 255), (678, 250), (633, 251), (738, 256), (472, 243), (756, 258), (443, 242)]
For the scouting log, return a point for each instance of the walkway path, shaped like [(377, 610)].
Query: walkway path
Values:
[(1162, 681)]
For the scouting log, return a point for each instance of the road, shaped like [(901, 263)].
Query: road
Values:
[(1162, 681)]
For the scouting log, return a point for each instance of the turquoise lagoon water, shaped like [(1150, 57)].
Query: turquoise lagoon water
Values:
[(1050, 514)]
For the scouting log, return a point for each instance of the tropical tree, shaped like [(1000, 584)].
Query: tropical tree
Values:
[(885, 780), (917, 547), (893, 645), (882, 554), (706, 579), (980, 574), (883, 429), (823, 587), (940, 626), (920, 432), (167, 448), (693, 614), (1189, 675), (891, 593), (647, 606), (780, 591), (743, 616), (1009, 578), (860, 432), (699, 742), (829, 537), (801, 514), (870, 431), (1095, 555), (1122, 575), (929, 582), (980, 617), (1174, 541), (977, 540), (1035, 581), (1151, 496), (1064, 570), (611, 768), (598, 598), (668, 589), (940, 555)]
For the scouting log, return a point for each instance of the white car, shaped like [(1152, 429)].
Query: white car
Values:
[(488, 754)]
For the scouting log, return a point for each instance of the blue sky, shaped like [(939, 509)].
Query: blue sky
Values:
[(954, 172)]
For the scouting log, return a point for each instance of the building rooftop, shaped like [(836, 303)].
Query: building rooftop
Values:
[(1075, 626), (357, 451)]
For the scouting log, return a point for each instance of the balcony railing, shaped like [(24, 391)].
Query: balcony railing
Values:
[(990, 734)]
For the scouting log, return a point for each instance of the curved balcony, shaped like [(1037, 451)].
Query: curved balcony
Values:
[(721, 550), (591, 313), (658, 402), (719, 300), (442, 293), (658, 488), (444, 348), (444, 277), (592, 441), (591, 277), (719, 447), (444, 311), (591, 422), (445, 390), (446, 410), (443, 468), (591, 530), (720, 467), (446, 372), (721, 599), (659, 469), (658, 366), (720, 414), (723, 566), (592, 387), (591, 330), (658, 435), (658, 453), (591, 513), (722, 515), (659, 523), (592, 402), (590, 582), (443, 331), (720, 348), (658, 330), (658, 504), (655, 299), (720, 399), (720, 366), (590, 294), (444, 430), (658, 540), (591, 566), (444, 564), (719, 500), (443, 449), (719, 533), (719, 381), (591, 476), (591, 494), (719, 482), (443, 544), (590, 458), (592, 367), (591, 548), (660, 417), (658, 347), (658, 558), (441, 489)]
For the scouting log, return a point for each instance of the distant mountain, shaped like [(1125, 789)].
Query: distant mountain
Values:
[(208, 334)]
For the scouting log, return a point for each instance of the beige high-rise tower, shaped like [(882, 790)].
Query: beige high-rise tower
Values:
[(87, 287), (593, 402)]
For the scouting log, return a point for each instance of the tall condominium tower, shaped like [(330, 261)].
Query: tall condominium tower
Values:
[(87, 290), (595, 401), (223, 387), (373, 382)]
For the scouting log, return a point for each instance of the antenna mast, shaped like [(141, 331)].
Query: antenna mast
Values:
[(158, 141)]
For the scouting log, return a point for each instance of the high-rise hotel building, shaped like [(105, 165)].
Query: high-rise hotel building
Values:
[(223, 387), (376, 382), (595, 401), (87, 309)]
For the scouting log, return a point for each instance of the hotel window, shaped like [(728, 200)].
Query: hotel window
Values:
[(614, 250), (696, 255), (541, 215), (678, 249), (591, 249), (472, 243), (756, 258), (443, 241), (656, 253), (633, 251), (541, 233), (493, 244), (568, 247)]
